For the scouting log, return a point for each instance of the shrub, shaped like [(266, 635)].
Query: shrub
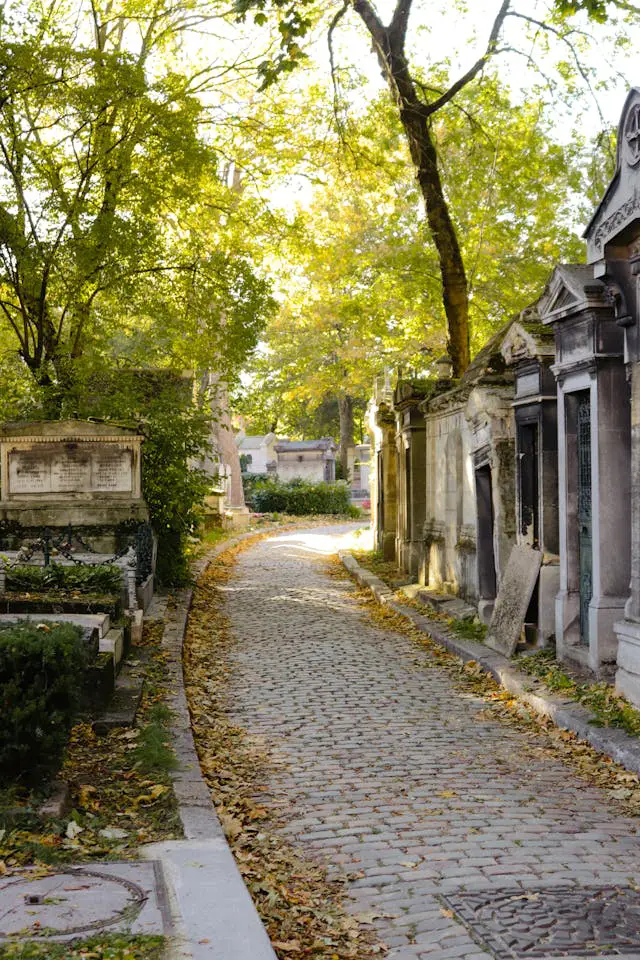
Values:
[(41, 681), (100, 578), (302, 498), (251, 482)]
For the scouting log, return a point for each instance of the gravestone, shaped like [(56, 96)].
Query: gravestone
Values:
[(71, 474), (514, 596)]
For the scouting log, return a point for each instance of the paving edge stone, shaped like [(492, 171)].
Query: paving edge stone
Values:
[(565, 714), (205, 844)]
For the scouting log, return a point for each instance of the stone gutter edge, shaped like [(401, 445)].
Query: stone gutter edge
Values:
[(204, 838), (565, 714)]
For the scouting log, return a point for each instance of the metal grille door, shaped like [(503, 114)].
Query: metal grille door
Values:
[(585, 547)]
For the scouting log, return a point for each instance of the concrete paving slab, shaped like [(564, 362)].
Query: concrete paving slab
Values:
[(209, 903), (83, 900)]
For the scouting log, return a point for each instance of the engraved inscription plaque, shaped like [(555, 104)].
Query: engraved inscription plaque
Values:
[(70, 471), (29, 472), (111, 470), (60, 469)]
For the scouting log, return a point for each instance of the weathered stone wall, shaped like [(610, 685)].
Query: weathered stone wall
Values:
[(450, 511)]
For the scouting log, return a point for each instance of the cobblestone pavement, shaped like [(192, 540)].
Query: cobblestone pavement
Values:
[(389, 773)]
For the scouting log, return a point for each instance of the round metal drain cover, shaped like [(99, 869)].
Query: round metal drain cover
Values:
[(66, 902)]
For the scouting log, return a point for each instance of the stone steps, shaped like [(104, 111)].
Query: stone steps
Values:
[(446, 603)]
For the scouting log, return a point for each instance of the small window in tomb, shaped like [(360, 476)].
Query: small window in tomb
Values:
[(528, 453), (300, 458)]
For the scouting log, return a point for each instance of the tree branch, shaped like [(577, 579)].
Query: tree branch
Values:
[(399, 22), (436, 105), (334, 79), (564, 37)]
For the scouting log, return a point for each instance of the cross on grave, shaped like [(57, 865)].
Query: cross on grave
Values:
[(632, 135)]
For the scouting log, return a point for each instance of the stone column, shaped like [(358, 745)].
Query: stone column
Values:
[(417, 500), (628, 630), (632, 608), (388, 480)]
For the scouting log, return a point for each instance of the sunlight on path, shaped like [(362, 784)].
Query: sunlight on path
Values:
[(391, 775)]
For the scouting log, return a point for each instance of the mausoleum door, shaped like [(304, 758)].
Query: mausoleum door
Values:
[(585, 544), (408, 492), (528, 455), (485, 521)]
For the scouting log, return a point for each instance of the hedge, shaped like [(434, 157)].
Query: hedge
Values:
[(41, 683), (302, 498)]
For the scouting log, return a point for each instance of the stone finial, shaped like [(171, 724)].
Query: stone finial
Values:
[(444, 367)]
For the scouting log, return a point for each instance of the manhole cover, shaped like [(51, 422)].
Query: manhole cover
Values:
[(66, 902), (556, 922)]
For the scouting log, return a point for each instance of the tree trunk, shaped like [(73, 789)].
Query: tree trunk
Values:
[(345, 407), (415, 115)]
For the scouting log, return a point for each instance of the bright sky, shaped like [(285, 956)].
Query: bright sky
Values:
[(455, 34)]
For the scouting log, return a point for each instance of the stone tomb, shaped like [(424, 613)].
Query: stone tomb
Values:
[(71, 473)]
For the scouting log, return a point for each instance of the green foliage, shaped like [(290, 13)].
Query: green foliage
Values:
[(609, 708), (469, 628), (119, 234), (113, 946), (302, 498), (596, 9), (251, 482), (101, 578), (361, 286), (153, 751), (41, 678)]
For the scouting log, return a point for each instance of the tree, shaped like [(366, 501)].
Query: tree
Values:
[(359, 273), (420, 99), (113, 205)]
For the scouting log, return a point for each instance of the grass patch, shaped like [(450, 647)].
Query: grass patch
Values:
[(109, 947), (609, 708), (468, 628), (121, 789), (153, 751), (387, 570)]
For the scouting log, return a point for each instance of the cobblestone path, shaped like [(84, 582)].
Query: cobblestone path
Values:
[(391, 774)]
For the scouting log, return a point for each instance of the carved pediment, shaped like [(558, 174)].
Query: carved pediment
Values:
[(571, 288), (617, 217), (563, 298)]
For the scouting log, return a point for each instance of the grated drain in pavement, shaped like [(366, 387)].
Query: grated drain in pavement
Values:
[(554, 922)]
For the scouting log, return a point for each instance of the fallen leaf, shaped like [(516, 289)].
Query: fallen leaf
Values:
[(114, 833)]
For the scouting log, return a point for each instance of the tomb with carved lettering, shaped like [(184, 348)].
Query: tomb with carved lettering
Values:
[(71, 474)]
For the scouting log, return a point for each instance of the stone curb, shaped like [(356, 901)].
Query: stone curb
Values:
[(214, 917), (565, 714)]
